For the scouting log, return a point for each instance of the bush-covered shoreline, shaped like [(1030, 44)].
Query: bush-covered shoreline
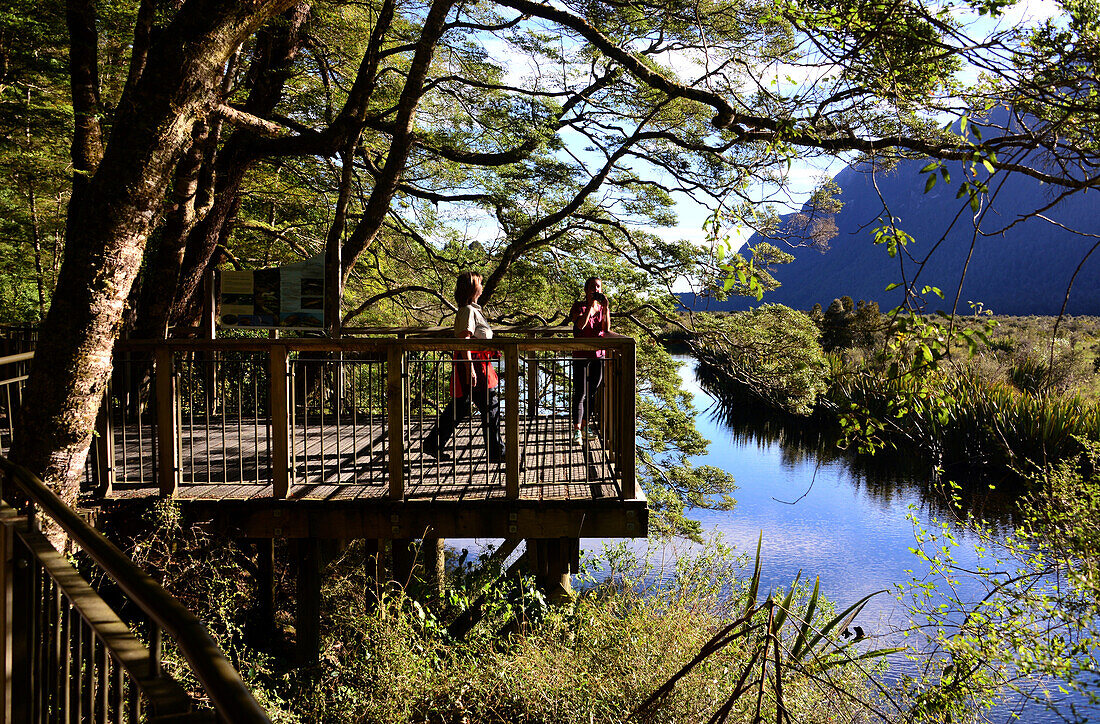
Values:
[(975, 400)]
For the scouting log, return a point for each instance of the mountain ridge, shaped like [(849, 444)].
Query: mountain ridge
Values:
[(1023, 270)]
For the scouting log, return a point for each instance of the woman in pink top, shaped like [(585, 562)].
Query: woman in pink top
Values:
[(591, 317)]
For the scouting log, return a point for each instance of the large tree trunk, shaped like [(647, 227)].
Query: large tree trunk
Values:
[(108, 224), (190, 252)]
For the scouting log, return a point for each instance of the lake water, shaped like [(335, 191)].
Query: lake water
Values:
[(830, 520)]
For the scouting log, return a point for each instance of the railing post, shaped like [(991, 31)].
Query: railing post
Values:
[(628, 389), (105, 447), (279, 409), (7, 570), (395, 407), (532, 384), (168, 464), (19, 625), (511, 420)]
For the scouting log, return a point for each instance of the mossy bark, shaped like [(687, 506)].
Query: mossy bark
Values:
[(109, 221)]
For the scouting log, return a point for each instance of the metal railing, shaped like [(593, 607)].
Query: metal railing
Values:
[(256, 418), (13, 373), (67, 656)]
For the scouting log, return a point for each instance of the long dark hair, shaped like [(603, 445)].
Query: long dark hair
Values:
[(465, 286)]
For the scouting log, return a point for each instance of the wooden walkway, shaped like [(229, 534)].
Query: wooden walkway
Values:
[(231, 462)]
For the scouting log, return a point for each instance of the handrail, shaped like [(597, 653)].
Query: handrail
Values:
[(379, 344), (12, 358), (395, 355), (231, 698)]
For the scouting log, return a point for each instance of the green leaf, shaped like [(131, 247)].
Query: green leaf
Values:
[(804, 629), (930, 183), (785, 607)]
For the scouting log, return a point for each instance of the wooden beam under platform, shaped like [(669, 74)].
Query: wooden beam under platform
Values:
[(381, 519)]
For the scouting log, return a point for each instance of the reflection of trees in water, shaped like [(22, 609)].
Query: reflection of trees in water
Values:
[(887, 477)]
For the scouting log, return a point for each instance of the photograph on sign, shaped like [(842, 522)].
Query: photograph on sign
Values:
[(288, 297)]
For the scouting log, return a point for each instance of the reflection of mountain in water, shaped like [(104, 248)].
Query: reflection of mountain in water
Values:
[(886, 477)]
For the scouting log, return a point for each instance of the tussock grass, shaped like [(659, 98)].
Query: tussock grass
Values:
[(593, 661)]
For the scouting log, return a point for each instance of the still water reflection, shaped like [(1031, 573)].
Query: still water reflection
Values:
[(851, 522)]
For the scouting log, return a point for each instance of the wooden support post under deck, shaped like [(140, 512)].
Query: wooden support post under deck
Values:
[(280, 422), (396, 422), (433, 551), (308, 621), (401, 553), (265, 584), (511, 421), (552, 560), (626, 431), (168, 437)]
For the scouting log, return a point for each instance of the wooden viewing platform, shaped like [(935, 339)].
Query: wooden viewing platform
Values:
[(317, 442), (301, 438)]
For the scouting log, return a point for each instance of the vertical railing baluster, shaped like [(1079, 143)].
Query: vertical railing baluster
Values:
[(353, 382), (322, 364), (370, 410), (208, 412), (305, 417), (224, 382), (256, 422), (104, 683), (395, 420), (87, 702), (134, 702), (280, 421), (337, 395), (240, 421), (627, 389), (11, 414), (56, 682), (105, 446), (65, 667), (136, 407), (76, 626), (511, 420), (116, 693), (292, 421), (155, 645)]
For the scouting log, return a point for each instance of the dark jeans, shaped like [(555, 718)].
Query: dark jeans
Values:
[(587, 377), (488, 402)]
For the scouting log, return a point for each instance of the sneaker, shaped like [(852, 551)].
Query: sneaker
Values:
[(576, 436), (593, 430)]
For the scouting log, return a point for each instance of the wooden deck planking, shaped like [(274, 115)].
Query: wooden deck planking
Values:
[(344, 462)]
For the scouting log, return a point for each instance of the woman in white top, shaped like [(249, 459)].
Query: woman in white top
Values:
[(474, 377)]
